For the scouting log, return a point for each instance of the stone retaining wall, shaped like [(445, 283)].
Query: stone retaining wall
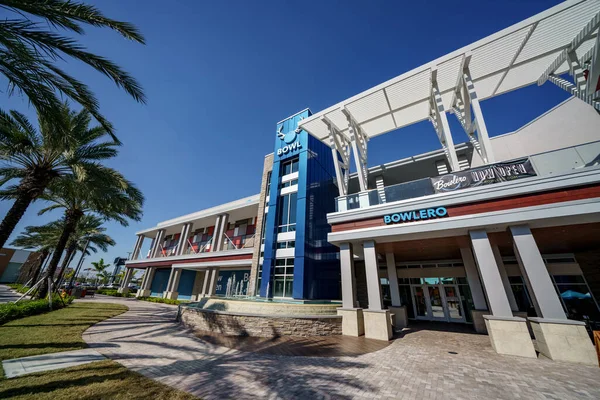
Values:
[(238, 324)]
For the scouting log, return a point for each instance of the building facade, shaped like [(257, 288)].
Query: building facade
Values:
[(501, 232)]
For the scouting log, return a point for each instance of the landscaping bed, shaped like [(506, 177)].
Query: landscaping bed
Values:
[(26, 308)]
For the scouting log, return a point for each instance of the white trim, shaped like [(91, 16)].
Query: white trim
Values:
[(579, 177), (556, 214), (224, 253), (285, 253), (202, 265), (286, 236), (289, 177), (288, 190)]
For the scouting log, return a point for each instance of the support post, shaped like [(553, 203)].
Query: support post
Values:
[(397, 310), (207, 274), (440, 123), (378, 324), (505, 281)]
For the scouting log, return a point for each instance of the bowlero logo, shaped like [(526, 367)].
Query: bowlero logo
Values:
[(290, 139), (409, 216)]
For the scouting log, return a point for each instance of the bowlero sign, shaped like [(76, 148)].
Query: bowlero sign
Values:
[(495, 173), (412, 216)]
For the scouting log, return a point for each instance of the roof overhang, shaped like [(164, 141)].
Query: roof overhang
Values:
[(504, 61)]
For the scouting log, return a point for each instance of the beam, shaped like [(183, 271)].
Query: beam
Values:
[(340, 147), (440, 123), (358, 140)]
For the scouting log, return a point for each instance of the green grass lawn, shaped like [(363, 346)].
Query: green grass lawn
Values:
[(61, 330)]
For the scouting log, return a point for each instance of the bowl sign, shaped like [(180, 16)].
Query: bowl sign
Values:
[(417, 215)]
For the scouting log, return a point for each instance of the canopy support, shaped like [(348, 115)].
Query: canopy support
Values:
[(340, 149), (582, 88), (358, 140), (437, 116)]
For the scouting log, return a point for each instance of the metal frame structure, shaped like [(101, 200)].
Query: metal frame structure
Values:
[(562, 39)]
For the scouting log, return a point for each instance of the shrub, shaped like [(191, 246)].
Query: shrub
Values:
[(160, 300), (26, 308), (112, 292)]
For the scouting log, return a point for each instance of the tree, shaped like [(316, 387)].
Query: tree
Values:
[(101, 270), (106, 194), (30, 45), (36, 158), (88, 237)]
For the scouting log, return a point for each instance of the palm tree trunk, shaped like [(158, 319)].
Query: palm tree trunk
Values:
[(14, 215), (65, 263), (35, 272), (71, 220)]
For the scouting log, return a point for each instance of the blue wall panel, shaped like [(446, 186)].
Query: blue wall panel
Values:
[(186, 284), (159, 282), (242, 276)]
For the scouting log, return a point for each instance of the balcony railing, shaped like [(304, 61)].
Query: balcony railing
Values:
[(552, 162), (229, 243)]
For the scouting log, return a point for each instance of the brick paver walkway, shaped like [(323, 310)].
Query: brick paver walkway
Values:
[(417, 366)]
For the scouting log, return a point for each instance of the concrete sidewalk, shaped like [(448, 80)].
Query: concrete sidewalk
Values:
[(48, 362)]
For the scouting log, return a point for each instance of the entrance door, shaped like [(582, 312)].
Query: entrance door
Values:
[(454, 311), (420, 303), (438, 303)]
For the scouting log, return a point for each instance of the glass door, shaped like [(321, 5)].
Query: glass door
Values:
[(420, 302), (452, 304), (437, 302)]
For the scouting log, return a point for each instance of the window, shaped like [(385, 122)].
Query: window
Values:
[(289, 167), (284, 277), (289, 183), (287, 213), (258, 279), (268, 192), (286, 245), (576, 297)]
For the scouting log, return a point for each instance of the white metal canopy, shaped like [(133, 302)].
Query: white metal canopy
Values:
[(518, 56)]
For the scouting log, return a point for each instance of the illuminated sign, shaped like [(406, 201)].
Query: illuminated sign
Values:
[(417, 215)]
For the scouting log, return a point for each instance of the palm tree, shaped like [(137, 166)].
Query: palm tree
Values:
[(100, 268), (42, 238), (87, 237), (106, 194), (35, 158), (30, 46)]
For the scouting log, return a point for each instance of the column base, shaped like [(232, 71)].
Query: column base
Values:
[(399, 317), (478, 321), (352, 321), (170, 295), (378, 324), (143, 293), (510, 336), (123, 291), (563, 340)]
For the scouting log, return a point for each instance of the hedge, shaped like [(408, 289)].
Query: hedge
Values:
[(160, 300), (26, 308), (112, 292)]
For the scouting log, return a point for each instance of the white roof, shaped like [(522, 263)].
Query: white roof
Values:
[(507, 60)]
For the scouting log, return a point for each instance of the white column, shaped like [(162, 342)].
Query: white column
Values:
[(473, 279), (182, 239), (505, 282), (138, 246), (176, 279), (207, 274), (149, 277), (393, 278), (347, 272), (157, 242), (534, 271), (372, 272), (213, 281), (170, 281), (490, 275)]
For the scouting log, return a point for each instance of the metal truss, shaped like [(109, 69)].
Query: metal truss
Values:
[(465, 105), (340, 149), (359, 140), (437, 116), (582, 87)]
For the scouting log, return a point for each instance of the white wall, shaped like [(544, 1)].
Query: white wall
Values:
[(571, 123)]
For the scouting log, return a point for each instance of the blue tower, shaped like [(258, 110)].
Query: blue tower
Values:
[(298, 260)]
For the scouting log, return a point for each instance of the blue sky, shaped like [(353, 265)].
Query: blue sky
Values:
[(220, 74)]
